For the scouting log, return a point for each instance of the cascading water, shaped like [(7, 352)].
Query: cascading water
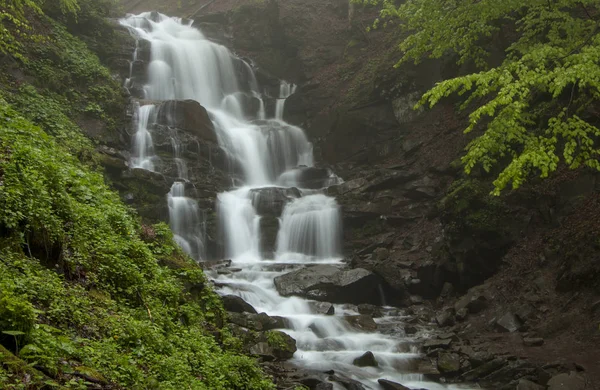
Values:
[(285, 91), (311, 226), (143, 148), (264, 152)]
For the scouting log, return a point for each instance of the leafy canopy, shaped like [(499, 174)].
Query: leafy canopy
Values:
[(533, 107)]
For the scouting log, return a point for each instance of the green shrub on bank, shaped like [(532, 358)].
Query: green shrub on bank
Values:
[(87, 292)]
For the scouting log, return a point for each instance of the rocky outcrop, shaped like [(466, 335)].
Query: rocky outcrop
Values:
[(188, 116), (270, 201), (332, 284)]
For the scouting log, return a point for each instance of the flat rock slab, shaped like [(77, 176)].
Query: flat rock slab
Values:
[(331, 284), (570, 381)]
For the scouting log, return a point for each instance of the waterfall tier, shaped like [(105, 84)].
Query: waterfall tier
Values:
[(273, 161)]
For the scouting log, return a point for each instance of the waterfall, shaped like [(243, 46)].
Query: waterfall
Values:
[(185, 221), (311, 225), (143, 148), (285, 91), (266, 154)]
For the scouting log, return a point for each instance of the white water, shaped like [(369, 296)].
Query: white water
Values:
[(184, 65), (143, 148), (285, 91), (311, 226)]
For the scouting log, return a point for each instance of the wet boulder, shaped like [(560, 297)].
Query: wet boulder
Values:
[(362, 323), (257, 322), (189, 116), (270, 201), (274, 345), (235, 304), (323, 308), (332, 284), (366, 360), (389, 385), (448, 363), (308, 177)]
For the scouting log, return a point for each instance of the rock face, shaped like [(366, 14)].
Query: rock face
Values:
[(270, 201), (187, 115), (331, 284)]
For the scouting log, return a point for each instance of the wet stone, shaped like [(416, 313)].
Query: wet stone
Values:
[(366, 360), (236, 304), (389, 385)]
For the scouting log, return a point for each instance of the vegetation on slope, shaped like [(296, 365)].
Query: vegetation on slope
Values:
[(534, 105), (89, 297)]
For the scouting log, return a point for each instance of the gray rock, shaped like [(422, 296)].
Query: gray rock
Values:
[(271, 200), (189, 116), (370, 310), (331, 284), (533, 341), (410, 329), (524, 384), (389, 385), (462, 314), (508, 323), (361, 322), (433, 344), (274, 345), (473, 301), (258, 322), (366, 360), (570, 381), (445, 317), (323, 308), (484, 370), (448, 363), (235, 304)]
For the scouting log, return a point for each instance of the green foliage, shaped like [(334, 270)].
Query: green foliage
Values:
[(81, 279), (535, 108)]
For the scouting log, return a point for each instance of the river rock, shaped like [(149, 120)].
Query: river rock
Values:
[(366, 360), (508, 323), (332, 284), (448, 363), (258, 322), (325, 308), (235, 304), (370, 310), (570, 381), (271, 200), (445, 317), (189, 116), (362, 322), (433, 344), (389, 385)]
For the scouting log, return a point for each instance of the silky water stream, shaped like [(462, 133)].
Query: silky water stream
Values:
[(186, 65)]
